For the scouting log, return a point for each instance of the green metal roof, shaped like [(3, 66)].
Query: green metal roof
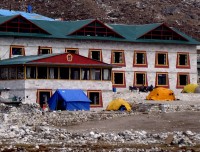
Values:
[(62, 29), (20, 60), (5, 18)]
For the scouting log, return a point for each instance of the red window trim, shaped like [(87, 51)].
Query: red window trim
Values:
[(90, 50), (42, 90), (17, 46), (134, 59), (156, 60), (140, 72), (112, 58), (183, 66), (156, 82), (101, 100), (124, 80), (44, 47), (178, 86)]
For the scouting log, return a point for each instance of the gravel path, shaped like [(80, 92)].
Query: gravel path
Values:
[(155, 122)]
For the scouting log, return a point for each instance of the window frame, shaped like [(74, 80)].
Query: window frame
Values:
[(44, 47), (167, 80), (178, 86), (73, 49), (95, 50), (135, 64), (135, 78), (42, 90), (123, 58), (100, 98), (16, 46), (157, 65), (188, 60), (124, 80)]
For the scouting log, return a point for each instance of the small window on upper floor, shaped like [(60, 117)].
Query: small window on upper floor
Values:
[(161, 60), (162, 79), (44, 50), (140, 59), (183, 60), (17, 51), (95, 54), (72, 50), (182, 79), (118, 57)]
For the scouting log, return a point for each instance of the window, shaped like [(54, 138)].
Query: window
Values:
[(140, 79), (161, 60), (72, 50), (162, 80), (43, 96), (12, 73), (30, 72), (106, 74), (21, 25), (140, 59), (64, 73), (85, 74), (20, 72), (98, 29), (53, 73), (4, 73), (44, 50), (17, 51), (95, 74), (96, 98), (95, 54), (117, 57), (118, 79), (182, 79), (75, 74), (183, 60), (42, 72)]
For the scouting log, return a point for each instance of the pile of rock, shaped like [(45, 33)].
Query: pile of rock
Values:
[(27, 127)]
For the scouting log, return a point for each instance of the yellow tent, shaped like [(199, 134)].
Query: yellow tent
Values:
[(190, 88), (117, 103), (161, 94)]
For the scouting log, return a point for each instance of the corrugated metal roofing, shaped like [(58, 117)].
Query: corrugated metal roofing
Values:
[(63, 29), (42, 60), (32, 16)]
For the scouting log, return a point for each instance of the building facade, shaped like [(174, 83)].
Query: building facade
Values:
[(151, 54)]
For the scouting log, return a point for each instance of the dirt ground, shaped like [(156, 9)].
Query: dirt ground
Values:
[(154, 123)]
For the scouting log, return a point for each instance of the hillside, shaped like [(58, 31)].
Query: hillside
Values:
[(182, 14)]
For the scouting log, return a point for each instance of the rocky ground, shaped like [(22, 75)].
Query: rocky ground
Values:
[(148, 127), (182, 14)]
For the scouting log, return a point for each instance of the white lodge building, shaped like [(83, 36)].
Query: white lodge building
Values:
[(35, 58)]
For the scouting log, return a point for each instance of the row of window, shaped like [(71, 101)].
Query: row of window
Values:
[(140, 79), (117, 56), (66, 73), (41, 72)]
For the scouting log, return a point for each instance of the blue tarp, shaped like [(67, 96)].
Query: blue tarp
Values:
[(32, 16), (69, 99)]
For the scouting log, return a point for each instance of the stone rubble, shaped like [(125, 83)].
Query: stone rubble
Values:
[(29, 125)]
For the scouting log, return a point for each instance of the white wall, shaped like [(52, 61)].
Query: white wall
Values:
[(58, 46)]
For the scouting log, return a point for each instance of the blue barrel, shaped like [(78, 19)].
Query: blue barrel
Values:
[(114, 89)]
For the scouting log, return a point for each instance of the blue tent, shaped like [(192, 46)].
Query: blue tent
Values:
[(69, 99)]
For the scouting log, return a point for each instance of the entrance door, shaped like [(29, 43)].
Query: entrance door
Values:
[(43, 97)]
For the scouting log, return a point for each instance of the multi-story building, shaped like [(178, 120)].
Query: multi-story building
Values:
[(150, 54)]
